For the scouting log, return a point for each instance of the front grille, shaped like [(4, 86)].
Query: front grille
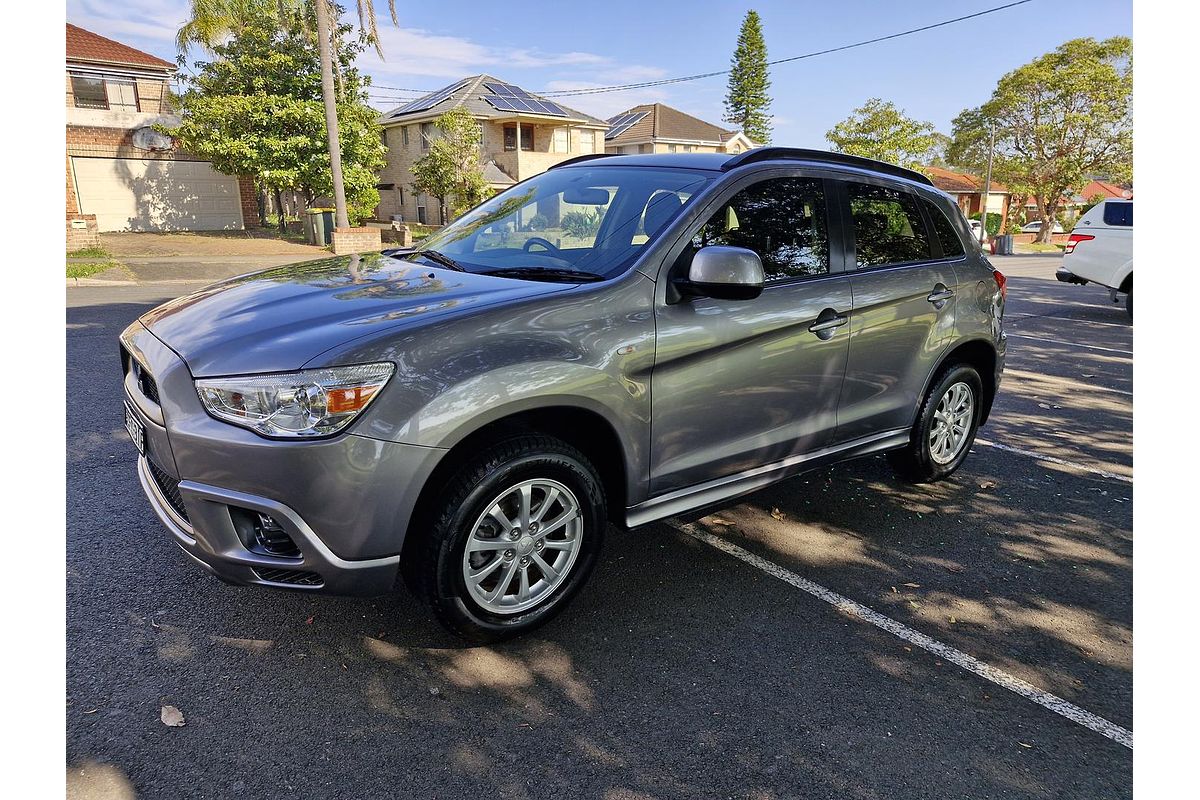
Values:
[(292, 577), (169, 487)]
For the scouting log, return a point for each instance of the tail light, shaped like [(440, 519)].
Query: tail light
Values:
[(1001, 283), (1074, 239)]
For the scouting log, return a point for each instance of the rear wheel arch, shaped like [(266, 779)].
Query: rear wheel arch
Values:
[(977, 353)]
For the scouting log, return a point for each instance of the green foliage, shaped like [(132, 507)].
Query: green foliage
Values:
[(583, 224), (538, 222), (747, 99), (450, 170), (1058, 119), (89, 252), (257, 110), (879, 130), (992, 226)]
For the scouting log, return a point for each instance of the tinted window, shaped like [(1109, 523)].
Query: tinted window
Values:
[(946, 235), (781, 219), (1118, 214), (887, 226), (88, 92)]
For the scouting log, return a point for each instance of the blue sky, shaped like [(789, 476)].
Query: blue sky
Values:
[(932, 75)]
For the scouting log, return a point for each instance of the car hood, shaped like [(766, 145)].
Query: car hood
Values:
[(282, 318)]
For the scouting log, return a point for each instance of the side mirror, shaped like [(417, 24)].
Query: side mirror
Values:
[(724, 273)]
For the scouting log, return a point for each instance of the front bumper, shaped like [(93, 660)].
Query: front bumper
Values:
[(345, 503), (209, 536)]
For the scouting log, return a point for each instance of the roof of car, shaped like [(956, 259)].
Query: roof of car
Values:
[(720, 162)]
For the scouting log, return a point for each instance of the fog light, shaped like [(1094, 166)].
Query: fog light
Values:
[(261, 533)]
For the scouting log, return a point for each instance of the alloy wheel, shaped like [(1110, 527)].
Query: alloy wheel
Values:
[(951, 423)]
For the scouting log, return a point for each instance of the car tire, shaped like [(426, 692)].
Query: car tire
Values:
[(547, 566), (936, 447), (1129, 302)]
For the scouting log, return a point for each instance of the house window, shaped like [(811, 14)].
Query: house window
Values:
[(510, 137), (644, 148), (404, 135), (672, 148), (122, 95), (383, 136), (426, 134), (587, 141), (421, 209), (89, 92), (687, 148), (562, 140)]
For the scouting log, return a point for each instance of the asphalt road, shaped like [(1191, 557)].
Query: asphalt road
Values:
[(679, 671)]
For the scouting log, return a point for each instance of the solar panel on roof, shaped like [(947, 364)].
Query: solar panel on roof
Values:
[(622, 123), (502, 89), (429, 100), (528, 105)]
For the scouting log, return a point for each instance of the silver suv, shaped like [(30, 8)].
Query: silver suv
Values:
[(619, 339)]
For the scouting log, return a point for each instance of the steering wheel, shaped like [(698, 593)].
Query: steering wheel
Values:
[(548, 245)]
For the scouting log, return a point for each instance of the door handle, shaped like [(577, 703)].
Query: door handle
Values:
[(940, 295), (828, 324)]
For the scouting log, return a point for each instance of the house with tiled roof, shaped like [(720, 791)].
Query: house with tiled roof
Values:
[(1072, 204), (968, 190), (658, 128), (523, 134), (121, 173)]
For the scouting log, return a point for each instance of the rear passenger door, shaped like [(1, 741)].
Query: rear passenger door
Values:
[(900, 261)]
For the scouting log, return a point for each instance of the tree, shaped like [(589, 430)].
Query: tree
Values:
[(451, 171), (211, 21), (879, 130), (1058, 119), (257, 110), (746, 99)]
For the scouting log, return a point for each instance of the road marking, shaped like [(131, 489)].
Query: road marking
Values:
[(1066, 319), (844, 604), (1069, 344), (1053, 460), (1047, 378)]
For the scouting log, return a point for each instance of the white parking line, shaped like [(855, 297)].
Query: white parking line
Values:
[(1053, 460), (1025, 316), (1069, 344), (967, 662)]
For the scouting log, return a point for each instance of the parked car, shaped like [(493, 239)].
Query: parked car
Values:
[(473, 412), (1100, 250), (977, 229), (1036, 227)]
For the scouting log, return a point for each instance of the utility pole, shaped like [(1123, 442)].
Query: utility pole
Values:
[(987, 187)]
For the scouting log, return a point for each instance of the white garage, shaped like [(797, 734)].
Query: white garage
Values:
[(133, 194)]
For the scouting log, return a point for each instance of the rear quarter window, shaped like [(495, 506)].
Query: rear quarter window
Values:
[(1118, 214), (952, 246)]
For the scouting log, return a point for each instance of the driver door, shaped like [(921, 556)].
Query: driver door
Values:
[(739, 384)]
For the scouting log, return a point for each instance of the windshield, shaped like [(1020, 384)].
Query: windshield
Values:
[(587, 221)]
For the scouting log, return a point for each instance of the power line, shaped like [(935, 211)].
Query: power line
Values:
[(699, 76)]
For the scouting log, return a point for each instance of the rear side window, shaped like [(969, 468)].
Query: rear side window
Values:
[(1120, 214), (888, 228), (944, 231), (781, 219)]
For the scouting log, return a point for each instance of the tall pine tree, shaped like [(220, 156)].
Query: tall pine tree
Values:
[(747, 101)]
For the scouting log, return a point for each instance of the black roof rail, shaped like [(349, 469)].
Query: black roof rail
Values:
[(580, 159), (798, 153)]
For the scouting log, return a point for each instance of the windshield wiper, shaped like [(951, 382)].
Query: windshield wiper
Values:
[(545, 274), (441, 259)]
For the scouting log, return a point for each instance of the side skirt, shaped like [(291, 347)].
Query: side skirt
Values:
[(720, 490)]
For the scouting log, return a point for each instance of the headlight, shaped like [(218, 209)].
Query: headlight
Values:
[(312, 402)]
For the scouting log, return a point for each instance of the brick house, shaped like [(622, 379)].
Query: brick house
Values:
[(967, 191), (1072, 205), (123, 175), (656, 128), (523, 135)]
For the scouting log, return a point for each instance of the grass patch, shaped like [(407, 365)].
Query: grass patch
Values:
[(90, 252), (1039, 247)]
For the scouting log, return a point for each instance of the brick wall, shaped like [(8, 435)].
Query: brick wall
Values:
[(248, 194), (81, 236), (356, 240)]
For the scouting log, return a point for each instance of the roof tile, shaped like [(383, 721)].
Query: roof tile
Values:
[(83, 45)]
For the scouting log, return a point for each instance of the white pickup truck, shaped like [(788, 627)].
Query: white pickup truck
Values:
[(1100, 250)]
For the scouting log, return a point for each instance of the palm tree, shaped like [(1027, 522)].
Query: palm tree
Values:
[(211, 21)]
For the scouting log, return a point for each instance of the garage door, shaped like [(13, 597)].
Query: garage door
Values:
[(132, 194)]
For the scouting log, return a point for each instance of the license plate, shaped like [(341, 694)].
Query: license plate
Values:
[(137, 431)]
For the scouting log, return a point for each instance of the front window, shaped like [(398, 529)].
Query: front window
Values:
[(587, 141), (88, 92), (576, 220), (510, 137), (122, 95), (426, 134), (562, 140), (781, 219)]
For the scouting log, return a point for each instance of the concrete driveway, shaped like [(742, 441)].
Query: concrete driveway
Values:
[(839, 635)]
